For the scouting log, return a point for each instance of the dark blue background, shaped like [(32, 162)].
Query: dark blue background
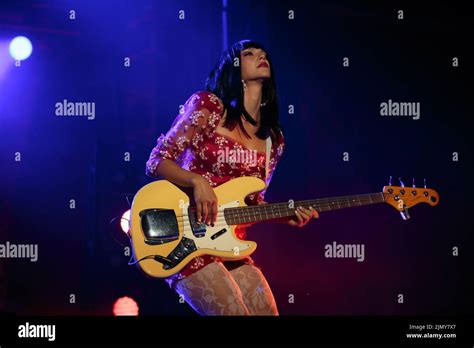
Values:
[(336, 111)]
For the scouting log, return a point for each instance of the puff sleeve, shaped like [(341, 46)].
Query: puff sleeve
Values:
[(200, 115)]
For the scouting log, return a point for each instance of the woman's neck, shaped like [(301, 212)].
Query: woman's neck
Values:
[(253, 99)]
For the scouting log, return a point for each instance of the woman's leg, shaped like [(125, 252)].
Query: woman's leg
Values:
[(257, 295), (212, 291)]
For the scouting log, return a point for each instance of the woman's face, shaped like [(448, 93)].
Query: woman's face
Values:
[(254, 64)]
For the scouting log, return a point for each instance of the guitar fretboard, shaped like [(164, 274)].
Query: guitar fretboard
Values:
[(263, 212)]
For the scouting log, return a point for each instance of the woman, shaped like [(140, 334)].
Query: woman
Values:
[(239, 111)]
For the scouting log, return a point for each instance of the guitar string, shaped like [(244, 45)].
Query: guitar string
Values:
[(264, 209), (321, 202), (317, 201)]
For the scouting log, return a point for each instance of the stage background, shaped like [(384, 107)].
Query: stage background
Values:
[(336, 110)]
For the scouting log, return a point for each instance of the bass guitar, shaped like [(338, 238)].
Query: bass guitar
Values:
[(166, 235)]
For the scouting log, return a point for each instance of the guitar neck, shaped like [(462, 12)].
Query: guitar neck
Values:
[(272, 211)]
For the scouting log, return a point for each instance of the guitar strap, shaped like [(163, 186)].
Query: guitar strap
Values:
[(267, 157)]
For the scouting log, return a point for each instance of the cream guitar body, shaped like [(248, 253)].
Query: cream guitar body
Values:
[(179, 236)]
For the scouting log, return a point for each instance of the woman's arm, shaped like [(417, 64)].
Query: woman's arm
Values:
[(200, 115), (171, 171), (204, 196)]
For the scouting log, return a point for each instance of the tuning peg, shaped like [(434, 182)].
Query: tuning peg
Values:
[(401, 182), (424, 181), (413, 183), (390, 181), (404, 214)]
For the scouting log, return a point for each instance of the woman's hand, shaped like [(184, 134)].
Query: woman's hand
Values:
[(303, 216), (206, 200)]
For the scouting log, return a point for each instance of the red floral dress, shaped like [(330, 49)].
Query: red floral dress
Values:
[(194, 144)]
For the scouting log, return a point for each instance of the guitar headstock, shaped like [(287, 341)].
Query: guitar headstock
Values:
[(402, 198)]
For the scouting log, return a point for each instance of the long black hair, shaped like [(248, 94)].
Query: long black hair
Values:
[(225, 81)]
